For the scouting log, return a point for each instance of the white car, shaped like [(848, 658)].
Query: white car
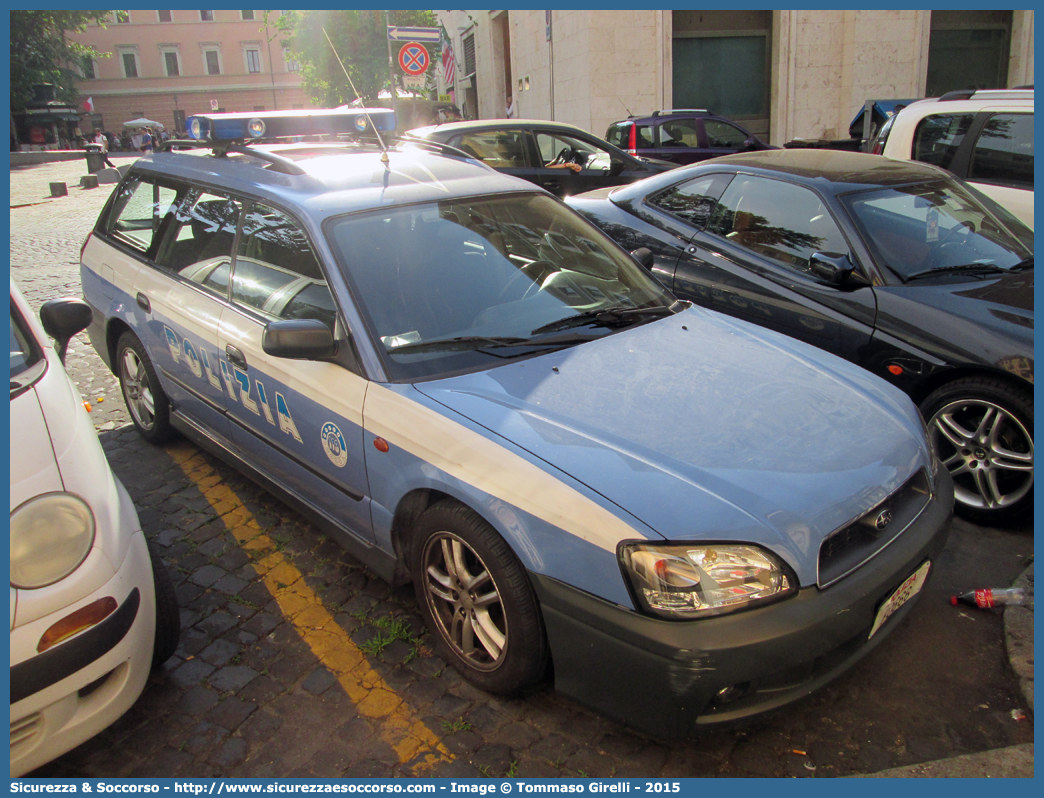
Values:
[(984, 137), (88, 618)]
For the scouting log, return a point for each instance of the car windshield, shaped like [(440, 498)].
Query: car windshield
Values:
[(937, 228), (465, 283), (25, 353)]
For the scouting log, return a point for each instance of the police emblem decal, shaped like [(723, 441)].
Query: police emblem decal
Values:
[(333, 444)]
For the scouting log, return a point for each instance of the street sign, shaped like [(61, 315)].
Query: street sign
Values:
[(213, 105), (413, 58), (413, 82), (400, 34)]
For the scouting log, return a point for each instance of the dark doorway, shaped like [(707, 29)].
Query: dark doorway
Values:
[(721, 63), (968, 50)]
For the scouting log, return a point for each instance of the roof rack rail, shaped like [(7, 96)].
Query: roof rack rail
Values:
[(1018, 93), (222, 148), (680, 111)]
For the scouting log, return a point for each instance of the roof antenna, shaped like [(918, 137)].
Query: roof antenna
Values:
[(628, 110), (384, 149)]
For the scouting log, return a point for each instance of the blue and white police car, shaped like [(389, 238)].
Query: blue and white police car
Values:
[(686, 517)]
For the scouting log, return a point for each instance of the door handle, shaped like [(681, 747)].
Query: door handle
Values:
[(236, 358), (143, 302)]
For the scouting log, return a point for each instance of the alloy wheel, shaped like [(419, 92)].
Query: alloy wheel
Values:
[(465, 601), (986, 449), (136, 389)]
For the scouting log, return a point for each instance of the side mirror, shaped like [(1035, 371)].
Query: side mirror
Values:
[(750, 144), (834, 269), (616, 166), (299, 339), (63, 318), (645, 258)]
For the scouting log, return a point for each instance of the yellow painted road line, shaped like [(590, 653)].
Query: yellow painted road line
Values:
[(372, 696)]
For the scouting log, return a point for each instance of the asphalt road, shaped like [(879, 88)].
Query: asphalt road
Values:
[(296, 661)]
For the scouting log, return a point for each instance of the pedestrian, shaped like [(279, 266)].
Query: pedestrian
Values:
[(511, 112), (103, 143), (146, 141)]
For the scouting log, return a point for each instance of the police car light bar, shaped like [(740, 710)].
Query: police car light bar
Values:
[(282, 124)]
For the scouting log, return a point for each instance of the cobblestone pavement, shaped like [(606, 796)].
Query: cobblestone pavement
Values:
[(296, 661)]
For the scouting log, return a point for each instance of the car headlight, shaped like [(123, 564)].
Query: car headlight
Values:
[(50, 536), (699, 580)]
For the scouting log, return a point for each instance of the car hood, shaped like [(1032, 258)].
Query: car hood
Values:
[(703, 427)]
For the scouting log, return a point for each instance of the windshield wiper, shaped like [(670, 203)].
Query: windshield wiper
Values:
[(978, 268), (606, 317), (1023, 265), (473, 342)]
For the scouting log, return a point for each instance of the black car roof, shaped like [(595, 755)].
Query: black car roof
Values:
[(830, 171)]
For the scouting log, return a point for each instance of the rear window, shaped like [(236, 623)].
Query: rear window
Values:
[(619, 135)]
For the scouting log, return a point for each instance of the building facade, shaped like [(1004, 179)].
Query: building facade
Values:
[(168, 65), (782, 74)]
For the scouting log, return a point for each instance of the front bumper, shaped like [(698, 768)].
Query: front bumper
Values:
[(69, 693), (664, 677)]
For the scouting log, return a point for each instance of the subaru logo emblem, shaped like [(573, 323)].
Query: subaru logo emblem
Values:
[(883, 520)]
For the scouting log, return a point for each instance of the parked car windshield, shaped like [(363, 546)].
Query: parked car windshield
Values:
[(25, 353), (936, 228), (466, 283)]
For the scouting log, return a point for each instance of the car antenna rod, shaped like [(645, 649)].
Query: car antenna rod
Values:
[(384, 149)]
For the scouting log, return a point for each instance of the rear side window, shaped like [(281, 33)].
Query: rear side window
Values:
[(937, 138), (199, 245), (679, 133), (1004, 151), (692, 202), (139, 209)]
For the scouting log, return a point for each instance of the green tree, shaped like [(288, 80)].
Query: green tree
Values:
[(361, 41), (40, 52)]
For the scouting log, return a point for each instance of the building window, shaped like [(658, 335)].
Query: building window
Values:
[(122, 16), (90, 69), (253, 60), (213, 61), (130, 64), (165, 16), (247, 14), (172, 62), (206, 16), (291, 64)]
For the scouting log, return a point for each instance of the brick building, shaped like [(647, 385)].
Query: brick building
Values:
[(168, 65)]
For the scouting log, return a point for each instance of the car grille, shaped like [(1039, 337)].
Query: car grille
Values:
[(849, 547), (24, 730)]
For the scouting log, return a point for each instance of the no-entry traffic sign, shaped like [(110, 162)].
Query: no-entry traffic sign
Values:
[(413, 58)]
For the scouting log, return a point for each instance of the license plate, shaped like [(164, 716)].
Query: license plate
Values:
[(906, 591)]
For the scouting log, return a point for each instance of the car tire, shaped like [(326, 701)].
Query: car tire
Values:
[(982, 430), (499, 644), (148, 404), (168, 613)]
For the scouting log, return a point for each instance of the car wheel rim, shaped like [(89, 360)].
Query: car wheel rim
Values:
[(987, 450), (136, 389), (465, 602)]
